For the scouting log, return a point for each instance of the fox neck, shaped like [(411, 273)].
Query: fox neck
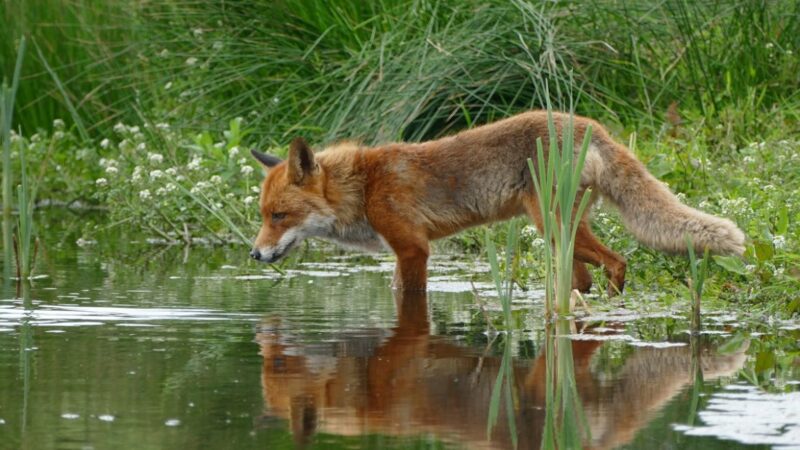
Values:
[(343, 187)]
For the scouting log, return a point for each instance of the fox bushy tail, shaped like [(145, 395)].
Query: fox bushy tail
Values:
[(649, 210)]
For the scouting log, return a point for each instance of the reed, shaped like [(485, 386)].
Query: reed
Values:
[(698, 270), (503, 388), (7, 101), (557, 181)]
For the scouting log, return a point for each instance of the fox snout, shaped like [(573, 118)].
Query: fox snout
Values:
[(270, 255), (255, 254)]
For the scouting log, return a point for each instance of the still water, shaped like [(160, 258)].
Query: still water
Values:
[(135, 346)]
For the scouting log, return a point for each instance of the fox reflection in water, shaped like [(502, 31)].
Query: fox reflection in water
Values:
[(408, 382)]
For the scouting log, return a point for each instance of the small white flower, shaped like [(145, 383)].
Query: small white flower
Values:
[(36, 137), (241, 161), (247, 170), (155, 158), (134, 129), (276, 100), (161, 191), (141, 147), (197, 32), (538, 242), (219, 145), (770, 45), (255, 189), (750, 267), (58, 135), (216, 179), (162, 126), (194, 190), (144, 194), (194, 164), (170, 187), (190, 61), (249, 199), (156, 174), (203, 184), (111, 170), (120, 128), (171, 171), (779, 241), (137, 174), (233, 152), (101, 182), (58, 124), (163, 53), (180, 178), (105, 143), (217, 45), (528, 231), (168, 86)]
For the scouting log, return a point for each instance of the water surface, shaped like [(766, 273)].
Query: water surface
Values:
[(129, 345)]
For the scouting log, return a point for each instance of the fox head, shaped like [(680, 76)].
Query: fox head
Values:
[(293, 203)]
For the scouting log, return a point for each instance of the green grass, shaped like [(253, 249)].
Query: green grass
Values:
[(407, 69)]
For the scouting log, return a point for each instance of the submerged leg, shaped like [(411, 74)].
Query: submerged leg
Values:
[(589, 249)]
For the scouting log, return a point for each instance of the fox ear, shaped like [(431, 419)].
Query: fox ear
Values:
[(301, 161), (268, 161)]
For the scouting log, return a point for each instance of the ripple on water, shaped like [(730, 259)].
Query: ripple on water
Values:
[(746, 414), (78, 316)]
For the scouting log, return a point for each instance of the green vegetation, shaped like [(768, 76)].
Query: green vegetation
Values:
[(160, 105), (557, 182)]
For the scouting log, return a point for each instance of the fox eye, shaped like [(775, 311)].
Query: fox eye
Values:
[(276, 216)]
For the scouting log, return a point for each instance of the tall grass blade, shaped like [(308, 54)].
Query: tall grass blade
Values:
[(70, 106), (557, 184), (697, 272), (7, 101)]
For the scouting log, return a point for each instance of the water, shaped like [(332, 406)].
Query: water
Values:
[(129, 345)]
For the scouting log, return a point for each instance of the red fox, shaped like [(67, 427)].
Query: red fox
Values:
[(403, 195)]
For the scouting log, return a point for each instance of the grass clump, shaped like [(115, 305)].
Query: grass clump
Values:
[(557, 181)]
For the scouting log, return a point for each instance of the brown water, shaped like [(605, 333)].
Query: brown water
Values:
[(129, 345)]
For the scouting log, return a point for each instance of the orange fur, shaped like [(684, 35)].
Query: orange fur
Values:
[(403, 195)]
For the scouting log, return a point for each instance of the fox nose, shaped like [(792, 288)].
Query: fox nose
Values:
[(255, 254)]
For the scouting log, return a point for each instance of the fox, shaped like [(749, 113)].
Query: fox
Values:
[(401, 196)]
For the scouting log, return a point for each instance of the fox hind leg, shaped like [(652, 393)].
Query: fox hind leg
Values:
[(588, 249), (581, 278)]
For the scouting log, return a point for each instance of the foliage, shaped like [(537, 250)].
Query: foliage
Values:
[(708, 89)]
